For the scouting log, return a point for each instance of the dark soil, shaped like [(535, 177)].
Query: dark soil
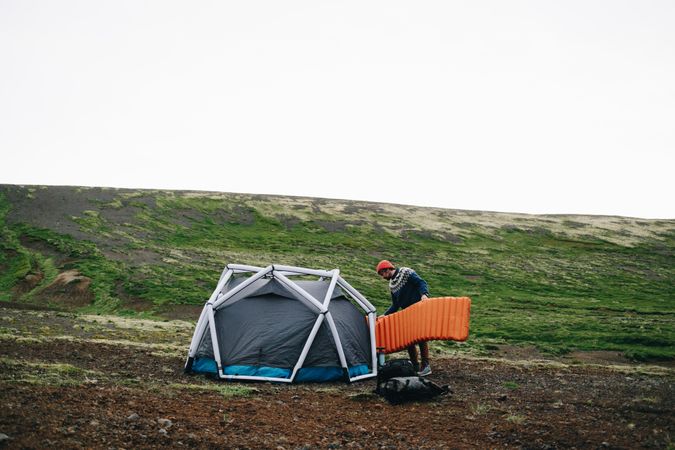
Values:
[(119, 390)]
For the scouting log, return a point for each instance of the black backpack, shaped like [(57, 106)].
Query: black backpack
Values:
[(395, 368), (404, 389), (398, 383)]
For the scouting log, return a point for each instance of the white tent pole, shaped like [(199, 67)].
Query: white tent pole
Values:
[(303, 270), (201, 323), (221, 284), (361, 377), (308, 345), (243, 285), (303, 293), (286, 270), (244, 268), (223, 273), (363, 306), (331, 288), (214, 338), (336, 339), (254, 378), (372, 318), (367, 306)]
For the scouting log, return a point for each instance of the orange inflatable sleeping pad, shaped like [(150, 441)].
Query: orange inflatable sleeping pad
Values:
[(444, 318)]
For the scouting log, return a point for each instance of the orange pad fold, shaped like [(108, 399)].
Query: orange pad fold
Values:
[(443, 318)]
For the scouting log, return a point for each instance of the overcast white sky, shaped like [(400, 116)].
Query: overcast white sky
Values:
[(519, 106)]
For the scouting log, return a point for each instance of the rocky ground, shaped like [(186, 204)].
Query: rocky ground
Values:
[(73, 381)]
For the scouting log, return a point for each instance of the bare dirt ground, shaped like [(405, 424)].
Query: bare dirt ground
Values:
[(70, 381)]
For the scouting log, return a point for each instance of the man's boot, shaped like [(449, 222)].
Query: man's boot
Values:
[(426, 369)]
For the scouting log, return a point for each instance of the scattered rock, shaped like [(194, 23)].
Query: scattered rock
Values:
[(4, 437), (133, 417), (164, 423)]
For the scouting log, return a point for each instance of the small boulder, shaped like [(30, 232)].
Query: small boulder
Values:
[(164, 423)]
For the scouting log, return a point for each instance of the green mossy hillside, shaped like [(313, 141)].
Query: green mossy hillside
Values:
[(560, 283)]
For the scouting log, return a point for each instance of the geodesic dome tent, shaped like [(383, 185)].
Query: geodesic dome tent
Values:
[(285, 324)]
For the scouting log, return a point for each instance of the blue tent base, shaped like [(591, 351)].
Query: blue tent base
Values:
[(306, 374)]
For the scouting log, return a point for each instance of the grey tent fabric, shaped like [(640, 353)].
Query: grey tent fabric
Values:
[(353, 331), (265, 331)]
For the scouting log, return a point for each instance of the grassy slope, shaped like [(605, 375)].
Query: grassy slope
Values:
[(558, 282)]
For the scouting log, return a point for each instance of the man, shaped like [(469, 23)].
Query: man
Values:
[(406, 289)]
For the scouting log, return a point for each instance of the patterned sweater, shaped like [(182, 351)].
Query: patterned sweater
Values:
[(406, 288)]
